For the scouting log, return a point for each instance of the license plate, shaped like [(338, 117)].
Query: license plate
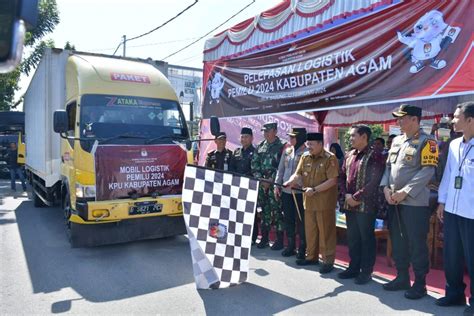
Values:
[(145, 208)]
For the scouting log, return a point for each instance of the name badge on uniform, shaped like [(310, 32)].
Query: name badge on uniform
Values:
[(458, 182), (410, 151)]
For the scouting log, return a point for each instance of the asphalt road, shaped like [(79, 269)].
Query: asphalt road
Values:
[(41, 274)]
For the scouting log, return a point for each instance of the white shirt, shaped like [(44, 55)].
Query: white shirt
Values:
[(458, 201)]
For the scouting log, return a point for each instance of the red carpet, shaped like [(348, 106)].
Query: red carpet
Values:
[(435, 279)]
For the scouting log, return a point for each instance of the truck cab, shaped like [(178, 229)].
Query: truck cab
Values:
[(119, 123)]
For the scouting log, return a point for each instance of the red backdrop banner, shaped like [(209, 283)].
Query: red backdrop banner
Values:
[(410, 51), (125, 170)]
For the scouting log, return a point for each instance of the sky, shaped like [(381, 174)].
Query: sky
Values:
[(98, 26)]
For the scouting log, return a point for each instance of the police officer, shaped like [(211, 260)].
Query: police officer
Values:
[(292, 201), (264, 166), (411, 164), (318, 170), (221, 157), (241, 163)]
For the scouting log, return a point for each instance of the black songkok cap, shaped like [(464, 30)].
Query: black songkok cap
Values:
[(246, 131), (315, 136)]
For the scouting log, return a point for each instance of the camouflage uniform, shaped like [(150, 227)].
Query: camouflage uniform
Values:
[(265, 165)]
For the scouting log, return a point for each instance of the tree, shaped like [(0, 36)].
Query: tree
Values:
[(377, 131), (69, 46), (48, 18)]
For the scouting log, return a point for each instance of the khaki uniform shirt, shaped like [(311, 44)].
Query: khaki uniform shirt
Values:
[(315, 170), (410, 166)]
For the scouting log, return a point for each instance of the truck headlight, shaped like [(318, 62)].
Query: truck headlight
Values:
[(85, 191)]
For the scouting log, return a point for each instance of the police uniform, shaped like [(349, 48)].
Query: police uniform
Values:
[(220, 160), (292, 201), (320, 208), (264, 166), (410, 165)]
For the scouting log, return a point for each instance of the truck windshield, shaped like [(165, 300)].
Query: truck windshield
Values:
[(137, 118)]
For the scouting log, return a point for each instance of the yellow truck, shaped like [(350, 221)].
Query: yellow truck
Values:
[(108, 142)]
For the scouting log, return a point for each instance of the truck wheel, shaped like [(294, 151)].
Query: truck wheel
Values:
[(37, 201), (67, 220)]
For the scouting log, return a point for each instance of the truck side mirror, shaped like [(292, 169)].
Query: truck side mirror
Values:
[(215, 126), (189, 145), (15, 17), (61, 121)]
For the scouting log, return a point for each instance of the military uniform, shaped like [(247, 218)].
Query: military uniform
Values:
[(264, 165), (410, 165), (320, 208)]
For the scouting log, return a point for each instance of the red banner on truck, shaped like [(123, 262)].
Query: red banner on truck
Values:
[(409, 51), (123, 171)]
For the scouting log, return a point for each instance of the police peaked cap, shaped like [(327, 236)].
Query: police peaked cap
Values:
[(297, 131), (221, 135), (406, 109)]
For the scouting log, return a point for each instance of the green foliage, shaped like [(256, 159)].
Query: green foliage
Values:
[(34, 58), (377, 131), (8, 86), (48, 18), (69, 46)]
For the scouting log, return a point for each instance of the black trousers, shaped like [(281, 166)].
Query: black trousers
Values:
[(409, 227), (291, 217), (361, 240), (255, 227), (458, 248)]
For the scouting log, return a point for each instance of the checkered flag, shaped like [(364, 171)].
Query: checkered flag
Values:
[(219, 211)]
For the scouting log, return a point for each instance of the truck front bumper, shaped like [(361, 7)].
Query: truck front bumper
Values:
[(96, 212)]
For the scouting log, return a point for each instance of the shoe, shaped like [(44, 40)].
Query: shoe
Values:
[(397, 284), (417, 67), (278, 244), (264, 241), (290, 248), (304, 262), (416, 292), (451, 301), (301, 255), (438, 64), (363, 278), (469, 311), (348, 274), (288, 252), (326, 268)]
